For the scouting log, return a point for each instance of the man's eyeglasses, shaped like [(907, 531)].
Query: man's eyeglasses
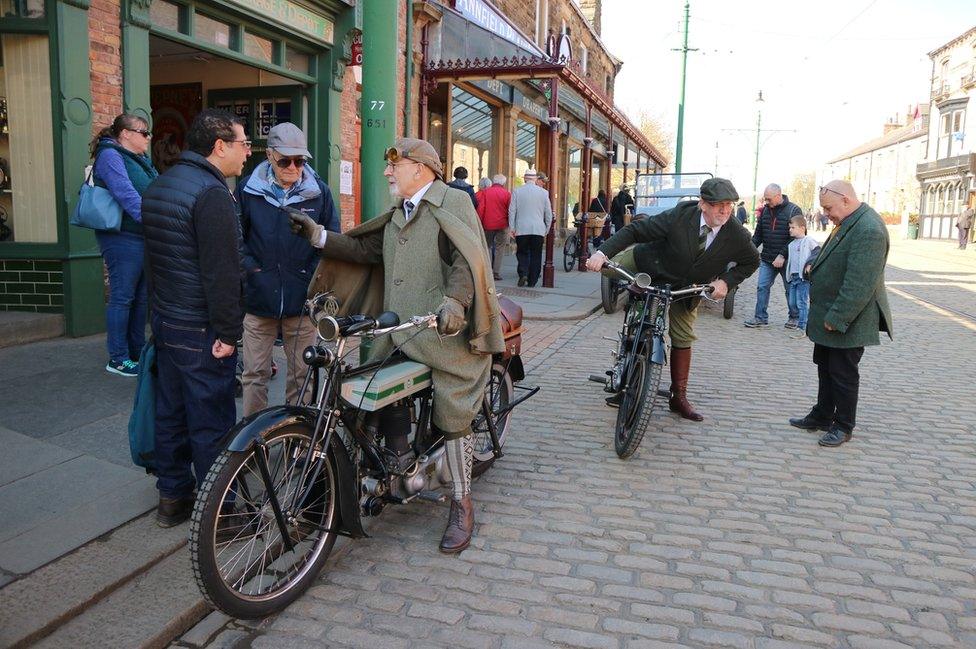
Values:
[(246, 143), (284, 163), (141, 131), (824, 190)]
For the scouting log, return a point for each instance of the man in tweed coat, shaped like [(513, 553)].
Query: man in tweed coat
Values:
[(425, 255), (848, 307)]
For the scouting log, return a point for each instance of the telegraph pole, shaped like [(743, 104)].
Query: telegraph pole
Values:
[(681, 103)]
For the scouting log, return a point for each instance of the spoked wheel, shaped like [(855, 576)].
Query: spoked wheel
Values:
[(637, 402), (500, 392), (240, 559), (728, 305), (610, 291), (570, 252)]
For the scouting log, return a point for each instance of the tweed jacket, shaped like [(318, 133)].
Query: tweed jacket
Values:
[(847, 288), (668, 249), (529, 211)]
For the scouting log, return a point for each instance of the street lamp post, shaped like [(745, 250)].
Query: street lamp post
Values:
[(755, 169)]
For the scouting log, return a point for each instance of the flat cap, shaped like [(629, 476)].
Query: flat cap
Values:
[(718, 190), (288, 140), (417, 150)]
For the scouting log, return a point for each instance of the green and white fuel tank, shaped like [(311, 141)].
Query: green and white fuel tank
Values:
[(375, 390)]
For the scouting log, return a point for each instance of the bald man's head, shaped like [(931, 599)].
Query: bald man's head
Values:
[(838, 200), (773, 195)]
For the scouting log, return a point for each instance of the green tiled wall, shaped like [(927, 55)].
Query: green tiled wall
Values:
[(31, 285)]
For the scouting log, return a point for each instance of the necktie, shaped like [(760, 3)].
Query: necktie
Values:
[(703, 239), (407, 209)]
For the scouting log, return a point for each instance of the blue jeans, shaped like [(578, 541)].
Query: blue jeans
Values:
[(798, 297), (125, 314), (194, 403), (767, 275)]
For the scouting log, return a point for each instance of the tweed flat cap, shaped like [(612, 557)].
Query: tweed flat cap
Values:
[(417, 150), (718, 190)]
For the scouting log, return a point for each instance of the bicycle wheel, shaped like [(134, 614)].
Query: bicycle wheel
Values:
[(610, 290), (728, 306), (637, 402), (570, 252), (239, 557), (500, 392)]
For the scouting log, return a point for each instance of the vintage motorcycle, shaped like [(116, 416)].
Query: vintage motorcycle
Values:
[(293, 478)]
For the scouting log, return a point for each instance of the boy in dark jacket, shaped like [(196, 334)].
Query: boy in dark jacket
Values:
[(773, 236), (278, 266)]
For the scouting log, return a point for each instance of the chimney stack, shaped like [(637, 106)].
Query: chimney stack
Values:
[(593, 10)]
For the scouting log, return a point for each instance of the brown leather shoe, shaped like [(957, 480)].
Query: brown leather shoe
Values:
[(460, 526), (680, 366), (173, 511)]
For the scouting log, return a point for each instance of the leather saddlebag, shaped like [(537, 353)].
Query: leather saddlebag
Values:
[(511, 321)]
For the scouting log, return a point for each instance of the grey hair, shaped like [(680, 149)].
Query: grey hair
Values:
[(773, 187), (484, 183), (499, 179)]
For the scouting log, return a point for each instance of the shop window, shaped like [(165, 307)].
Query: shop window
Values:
[(258, 47), (211, 31), (472, 128), (271, 112), (165, 15), (574, 182), (22, 8), (297, 61), (526, 146), (27, 194)]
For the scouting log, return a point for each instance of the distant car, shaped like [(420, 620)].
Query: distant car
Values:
[(655, 193)]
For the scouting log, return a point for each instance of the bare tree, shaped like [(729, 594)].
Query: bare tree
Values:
[(801, 190)]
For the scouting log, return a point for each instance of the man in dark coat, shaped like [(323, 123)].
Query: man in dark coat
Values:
[(848, 307), (194, 269), (692, 243), (773, 235), (741, 214), (618, 207), (460, 182)]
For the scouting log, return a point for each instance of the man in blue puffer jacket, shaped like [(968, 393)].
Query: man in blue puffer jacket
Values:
[(773, 236), (278, 265)]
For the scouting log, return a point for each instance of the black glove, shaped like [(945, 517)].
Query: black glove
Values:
[(302, 224), (450, 317)]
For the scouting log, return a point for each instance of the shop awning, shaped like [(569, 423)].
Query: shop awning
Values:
[(534, 67)]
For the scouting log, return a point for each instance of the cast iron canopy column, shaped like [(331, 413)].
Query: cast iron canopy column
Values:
[(548, 270), (379, 100)]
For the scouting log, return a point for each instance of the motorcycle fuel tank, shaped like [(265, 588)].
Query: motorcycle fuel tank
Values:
[(373, 391)]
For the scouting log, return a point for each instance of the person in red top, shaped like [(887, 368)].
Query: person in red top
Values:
[(493, 212)]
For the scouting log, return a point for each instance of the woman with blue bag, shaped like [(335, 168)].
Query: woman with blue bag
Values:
[(124, 169)]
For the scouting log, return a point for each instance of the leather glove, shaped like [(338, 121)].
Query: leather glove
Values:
[(302, 224), (450, 317)]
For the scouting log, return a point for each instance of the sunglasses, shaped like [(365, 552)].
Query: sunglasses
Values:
[(284, 163), (141, 131)]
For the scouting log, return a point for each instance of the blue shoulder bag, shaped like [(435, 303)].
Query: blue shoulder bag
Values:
[(97, 209)]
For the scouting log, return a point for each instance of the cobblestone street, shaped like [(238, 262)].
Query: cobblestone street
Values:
[(736, 532)]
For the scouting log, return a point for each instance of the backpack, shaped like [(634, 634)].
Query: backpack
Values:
[(142, 422)]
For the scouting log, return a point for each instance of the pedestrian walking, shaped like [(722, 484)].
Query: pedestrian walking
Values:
[(692, 243), (193, 257), (433, 261), (123, 167), (822, 220), (542, 180), (493, 212), (964, 223), (460, 182), (619, 206), (741, 214), (773, 236), (848, 307), (801, 252), (278, 266), (529, 217), (483, 184)]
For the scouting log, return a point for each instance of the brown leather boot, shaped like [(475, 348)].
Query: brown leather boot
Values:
[(460, 526), (680, 365)]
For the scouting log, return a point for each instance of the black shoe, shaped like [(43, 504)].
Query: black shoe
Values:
[(614, 401), (173, 511), (809, 423), (664, 393), (522, 280), (834, 437)]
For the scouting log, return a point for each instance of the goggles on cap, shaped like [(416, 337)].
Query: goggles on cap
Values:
[(394, 155)]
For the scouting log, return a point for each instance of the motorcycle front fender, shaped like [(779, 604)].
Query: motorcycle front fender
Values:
[(658, 352), (250, 430)]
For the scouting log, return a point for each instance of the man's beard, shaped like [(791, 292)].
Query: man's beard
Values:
[(394, 191)]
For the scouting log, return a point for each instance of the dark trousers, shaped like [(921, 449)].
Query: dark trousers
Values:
[(838, 381), (528, 250), (963, 237), (194, 403)]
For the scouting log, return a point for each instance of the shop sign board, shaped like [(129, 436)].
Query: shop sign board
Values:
[(357, 49), (529, 107), (486, 16), (292, 15), (495, 88)]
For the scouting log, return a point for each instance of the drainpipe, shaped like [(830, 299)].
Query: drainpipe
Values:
[(408, 68), (422, 127), (379, 100)]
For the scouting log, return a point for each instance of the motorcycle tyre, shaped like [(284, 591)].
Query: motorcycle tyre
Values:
[(637, 403), (728, 306), (610, 292), (506, 395)]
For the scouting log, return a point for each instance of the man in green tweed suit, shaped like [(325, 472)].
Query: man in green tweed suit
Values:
[(427, 254), (692, 243), (848, 307)]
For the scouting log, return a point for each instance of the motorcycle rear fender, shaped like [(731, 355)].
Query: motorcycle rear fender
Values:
[(514, 365), (251, 429), (658, 353)]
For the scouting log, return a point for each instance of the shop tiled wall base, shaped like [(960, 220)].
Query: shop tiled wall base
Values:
[(35, 285)]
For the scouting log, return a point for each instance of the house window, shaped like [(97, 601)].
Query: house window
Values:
[(951, 133), (584, 59)]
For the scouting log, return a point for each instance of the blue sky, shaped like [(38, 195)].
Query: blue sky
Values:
[(833, 71)]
